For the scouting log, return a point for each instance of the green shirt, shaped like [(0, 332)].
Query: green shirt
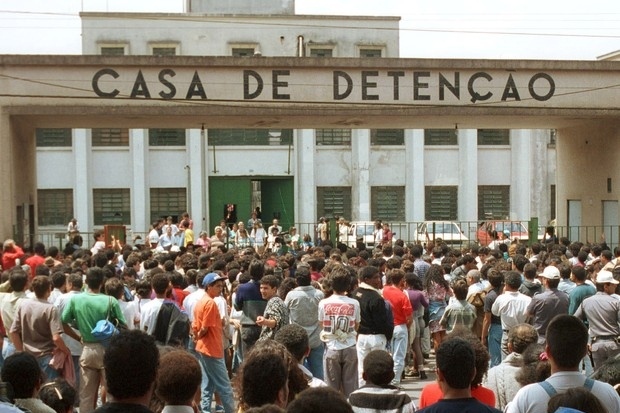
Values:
[(86, 309), (579, 293)]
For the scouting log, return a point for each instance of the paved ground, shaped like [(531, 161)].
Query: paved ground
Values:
[(413, 385)]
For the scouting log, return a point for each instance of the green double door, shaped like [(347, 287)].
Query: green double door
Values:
[(277, 200)]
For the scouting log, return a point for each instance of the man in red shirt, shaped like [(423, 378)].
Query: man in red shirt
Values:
[(207, 331), (37, 259), (403, 316), (10, 254)]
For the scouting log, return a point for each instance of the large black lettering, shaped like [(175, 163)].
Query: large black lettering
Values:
[(510, 90), (196, 88), (475, 96), (454, 87), (246, 84), (95, 83), (368, 85), (417, 85), (396, 76), (172, 90), (337, 75), (549, 80), (277, 83), (140, 88)]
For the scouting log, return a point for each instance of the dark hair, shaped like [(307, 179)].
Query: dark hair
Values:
[(76, 281), (114, 288), (567, 339), (366, 273), (22, 371), (608, 372), (320, 399), (18, 280), (295, 338), (270, 280), (413, 281), (178, 378), (521, 336), (529, 271), (495, 278), (263, 374), (379, 367), (58, 394), (435, 275), (535, 366), (94, 278), (577, 398), (302, 275), (256, 270), (512, 279), (340, 279), (160, 283), (41, 285), (456, 361), (579, 273), (130, 351)]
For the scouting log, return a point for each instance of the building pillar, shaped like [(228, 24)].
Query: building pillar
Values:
[(468, 176), (520, 174), (539, 182), (139, 193), (305, 182), (414, 171), (82, 192), (198, 179), (360, 192), (7, 169)]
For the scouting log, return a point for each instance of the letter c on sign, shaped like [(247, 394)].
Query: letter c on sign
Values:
[(95, 83)]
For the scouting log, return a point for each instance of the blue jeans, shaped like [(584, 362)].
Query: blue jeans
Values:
[(495, 344), (314, 361), (214, 369), (204, 383), (399, 350), (50, 372)]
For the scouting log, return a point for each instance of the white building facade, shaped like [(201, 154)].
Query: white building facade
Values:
[(134, 176)]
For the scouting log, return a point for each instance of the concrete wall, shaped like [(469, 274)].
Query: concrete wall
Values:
[(242, 6)]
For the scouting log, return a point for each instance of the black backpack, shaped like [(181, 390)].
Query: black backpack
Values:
[(172, 326)]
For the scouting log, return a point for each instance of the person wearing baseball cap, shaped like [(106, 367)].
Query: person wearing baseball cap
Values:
[(603, 314), (207, 332), (548, 304)]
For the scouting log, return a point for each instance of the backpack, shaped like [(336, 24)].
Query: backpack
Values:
[(172, 326), (477, 300)]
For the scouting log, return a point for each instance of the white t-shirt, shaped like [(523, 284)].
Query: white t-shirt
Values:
[(148, 315), (534, 399), (338, 315)]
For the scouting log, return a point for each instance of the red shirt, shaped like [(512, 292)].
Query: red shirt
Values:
[(207, 315), (33, 262), (401, 306), (9, 257), (431, 393)]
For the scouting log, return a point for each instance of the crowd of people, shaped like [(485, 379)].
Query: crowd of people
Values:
[(226, 327)]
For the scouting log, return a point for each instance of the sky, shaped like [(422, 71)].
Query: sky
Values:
[(462, 29)]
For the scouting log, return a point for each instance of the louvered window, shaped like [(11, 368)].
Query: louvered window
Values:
[(111, 206), (54, 206), (434, 137), (493, 137), (333, 137), (168, 202), (441, 203), (110, 137), (53, 137), (250, 137), (334, 201), (167, 137), (387, 137), (493, 202), (387, 203)]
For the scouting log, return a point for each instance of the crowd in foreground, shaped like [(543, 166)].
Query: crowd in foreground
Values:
[(329, 327)]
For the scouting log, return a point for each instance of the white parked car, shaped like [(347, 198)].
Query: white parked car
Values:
[(448, 231)]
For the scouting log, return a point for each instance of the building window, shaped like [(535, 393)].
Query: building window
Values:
[(110, 137), (54, 206), (387, 203), (168, 202), (250, 137), (333, 201), (553, 136), (493, 202), (53, 137), (243, 51), (552, 202), (113, 50), (112, 206), (333, 137), (166, 137), (441, 203), (164, 49), (368, 52), (387, 137), (321, 52), (435, 137), (493, 137)]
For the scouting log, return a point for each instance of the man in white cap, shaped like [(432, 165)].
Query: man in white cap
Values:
[(603, 314), (548, 304)]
